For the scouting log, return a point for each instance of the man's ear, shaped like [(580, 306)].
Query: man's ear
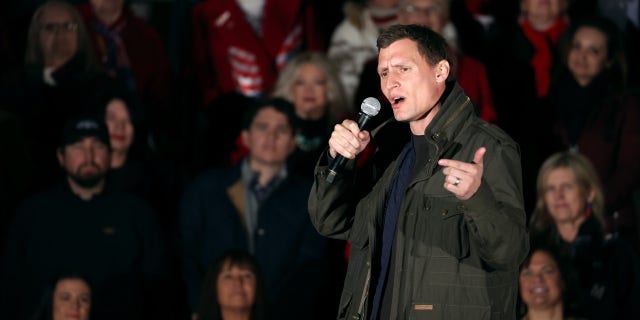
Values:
[(442, 71), (244, 135)]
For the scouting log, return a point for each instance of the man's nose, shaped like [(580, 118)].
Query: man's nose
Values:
[(271, 133), (89, 153), (391, 81)]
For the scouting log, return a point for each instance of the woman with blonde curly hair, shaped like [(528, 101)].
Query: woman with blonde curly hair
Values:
[(311, 83)]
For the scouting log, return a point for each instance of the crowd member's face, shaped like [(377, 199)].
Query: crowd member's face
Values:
[(71, 300), (541, 282), (58, 36), (543, 9), (563, 197), (86, 161), (411, 85), (269, 138), (236, 288), (310, 92), (588, 54), (107, 6), (428, 13), (120, 126)]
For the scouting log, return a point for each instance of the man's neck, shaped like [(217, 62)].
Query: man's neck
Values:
[(265, 172), (83, 193), (418, 127)]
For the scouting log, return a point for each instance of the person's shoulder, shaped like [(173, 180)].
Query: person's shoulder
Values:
[(630, 98), (140, 25), (85, 11), (126, 204), (492, 132), (40, 201), (56, 191), (619, 247), (126, 199), (218, 173), (214, 177), (343, 30)]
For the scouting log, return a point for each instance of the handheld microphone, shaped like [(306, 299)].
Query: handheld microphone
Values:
[(368, 109)]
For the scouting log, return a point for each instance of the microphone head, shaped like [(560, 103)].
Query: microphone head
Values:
[(370, 106)]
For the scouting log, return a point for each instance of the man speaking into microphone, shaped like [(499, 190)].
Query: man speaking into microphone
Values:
[(442, 233)]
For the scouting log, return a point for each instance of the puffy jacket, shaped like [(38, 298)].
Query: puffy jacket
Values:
[(454, 259)]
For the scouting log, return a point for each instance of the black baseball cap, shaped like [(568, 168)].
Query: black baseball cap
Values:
[(78, 128)]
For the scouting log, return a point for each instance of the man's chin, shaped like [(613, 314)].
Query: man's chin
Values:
[(87, 181)]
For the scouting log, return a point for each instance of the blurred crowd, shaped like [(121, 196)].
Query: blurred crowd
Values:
[(156, 156)]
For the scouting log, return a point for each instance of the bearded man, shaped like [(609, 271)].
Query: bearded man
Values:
[(81, 226)]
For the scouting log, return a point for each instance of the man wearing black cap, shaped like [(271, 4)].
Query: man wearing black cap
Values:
[(84, 154), (81, 226)]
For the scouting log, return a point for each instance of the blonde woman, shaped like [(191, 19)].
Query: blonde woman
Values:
[(310, 82), (569, 218)]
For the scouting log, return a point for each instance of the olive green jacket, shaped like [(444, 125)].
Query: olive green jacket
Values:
[(454, 259)]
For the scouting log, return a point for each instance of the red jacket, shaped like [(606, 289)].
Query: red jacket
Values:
[(229, 56)]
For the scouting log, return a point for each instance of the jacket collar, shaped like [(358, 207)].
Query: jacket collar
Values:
[(456, 107), (447, 123), (445, 126)]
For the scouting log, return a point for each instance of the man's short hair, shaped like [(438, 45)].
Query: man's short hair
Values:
[(431, 45), (279, 104), (78, 128)]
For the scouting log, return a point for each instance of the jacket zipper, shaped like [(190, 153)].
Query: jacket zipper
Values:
[(365, 294)]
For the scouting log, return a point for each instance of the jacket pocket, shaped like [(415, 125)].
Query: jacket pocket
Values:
[(444, 233), (454, 237), (427, 311)]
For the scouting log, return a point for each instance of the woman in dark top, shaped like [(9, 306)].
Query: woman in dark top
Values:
[(597, 116), (569, 219)]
